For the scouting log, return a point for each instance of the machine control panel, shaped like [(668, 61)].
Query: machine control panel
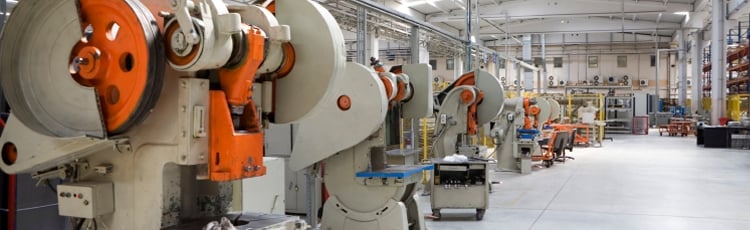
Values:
[(85, 199)]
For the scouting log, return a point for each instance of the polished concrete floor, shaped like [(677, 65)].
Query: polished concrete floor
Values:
[(633, 182)]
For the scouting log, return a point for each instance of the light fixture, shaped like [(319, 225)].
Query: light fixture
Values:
[(414, 3), (473, 39), (419, 2)]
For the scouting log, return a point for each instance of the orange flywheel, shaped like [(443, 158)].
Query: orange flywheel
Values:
[(121, 56)]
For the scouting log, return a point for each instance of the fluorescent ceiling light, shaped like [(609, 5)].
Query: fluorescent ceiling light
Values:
[(420, 2)]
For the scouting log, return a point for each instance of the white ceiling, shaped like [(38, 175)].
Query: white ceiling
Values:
[(635, 18)]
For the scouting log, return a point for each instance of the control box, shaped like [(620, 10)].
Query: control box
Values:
[(85, 199)]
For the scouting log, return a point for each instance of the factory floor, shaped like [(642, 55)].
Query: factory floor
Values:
[(634, 182)]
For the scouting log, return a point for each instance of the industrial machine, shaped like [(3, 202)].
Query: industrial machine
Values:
[(519, 132), (148, 109), (355, 166), (473, 100)]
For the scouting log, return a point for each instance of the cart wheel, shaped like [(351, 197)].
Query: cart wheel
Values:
[(436, 214), (547, 164), (480, 214)]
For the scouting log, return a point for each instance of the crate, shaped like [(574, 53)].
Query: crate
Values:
[(640, 125)]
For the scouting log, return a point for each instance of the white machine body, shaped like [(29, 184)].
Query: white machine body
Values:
[(463, 184)]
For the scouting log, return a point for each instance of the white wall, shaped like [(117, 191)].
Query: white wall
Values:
[(575, 65)]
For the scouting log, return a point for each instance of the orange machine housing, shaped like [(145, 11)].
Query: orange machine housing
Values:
[(531, 111), (236, 155), (472, 123)]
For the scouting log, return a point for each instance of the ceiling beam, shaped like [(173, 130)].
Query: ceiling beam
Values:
[(598, 38), (581, 25), (568, 8)]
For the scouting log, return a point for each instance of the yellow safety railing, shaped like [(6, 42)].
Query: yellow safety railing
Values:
[(424, 149)]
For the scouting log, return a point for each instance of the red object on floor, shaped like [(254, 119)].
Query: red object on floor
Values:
[(724, 120)]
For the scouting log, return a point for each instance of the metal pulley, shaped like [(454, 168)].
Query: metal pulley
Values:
[(86, 67)]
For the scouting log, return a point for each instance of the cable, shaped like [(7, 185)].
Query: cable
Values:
[(49, 185)]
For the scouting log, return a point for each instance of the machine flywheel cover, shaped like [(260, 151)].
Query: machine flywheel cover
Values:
[(34, 70), (130, 70), (71, 67)]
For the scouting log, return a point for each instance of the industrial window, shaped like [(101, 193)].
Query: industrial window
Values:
[(538, 62), (593, 61), (622, 61), (653, 60), (449, 64), (433, 63), (557, 62), (501, 63)]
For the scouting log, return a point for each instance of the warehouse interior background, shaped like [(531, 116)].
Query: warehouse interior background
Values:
[(499, 93)]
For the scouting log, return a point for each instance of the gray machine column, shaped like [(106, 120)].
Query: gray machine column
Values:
[(697, 53), (373, 45), (718, 58), (682, 70), (528, 75), (471, 33), (418, 49), (362, 36)]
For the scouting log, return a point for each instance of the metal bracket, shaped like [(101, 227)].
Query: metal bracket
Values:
[(124, 146), (181, 9), (72, 170)]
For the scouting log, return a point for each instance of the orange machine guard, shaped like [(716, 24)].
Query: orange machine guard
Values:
[(236, 155), (471, 123), (530, 111), (238, 82)]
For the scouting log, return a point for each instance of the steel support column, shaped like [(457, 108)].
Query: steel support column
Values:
[(414, 44), (543, 81), (682, 70), (718, 61), (528, 75), (697, 52), (362, 35)]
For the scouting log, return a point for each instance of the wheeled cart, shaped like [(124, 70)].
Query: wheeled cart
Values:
[(460, 186)]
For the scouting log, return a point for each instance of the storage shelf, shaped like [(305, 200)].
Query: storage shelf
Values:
[(738, 53), (737, 81), (740, 67), (619, 114), (737, 64)]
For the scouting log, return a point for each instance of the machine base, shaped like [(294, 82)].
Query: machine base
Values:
[(525, 165), (249, 220)]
